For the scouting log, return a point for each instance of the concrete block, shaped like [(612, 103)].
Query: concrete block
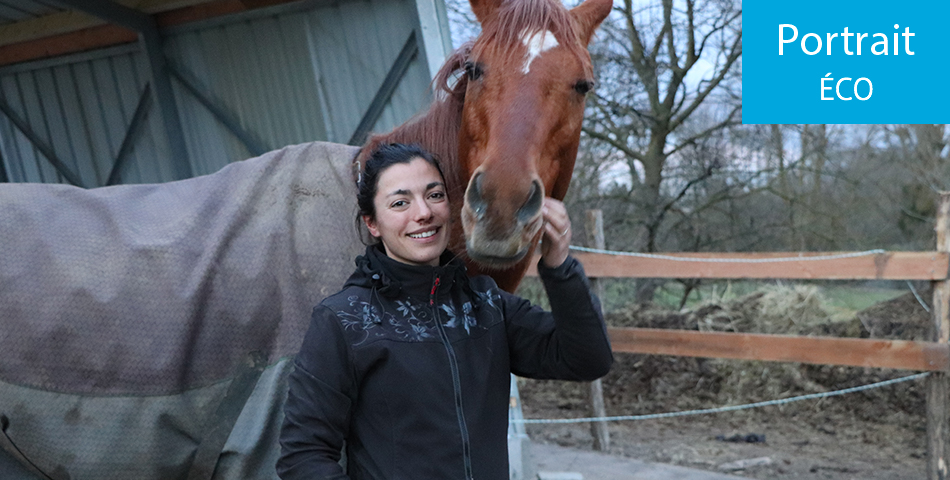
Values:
[(560, 476)]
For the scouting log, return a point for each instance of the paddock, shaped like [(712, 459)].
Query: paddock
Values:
[(931, 357)]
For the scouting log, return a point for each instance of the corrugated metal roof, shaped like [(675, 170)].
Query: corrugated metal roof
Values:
[(291, 77), (17, 10)]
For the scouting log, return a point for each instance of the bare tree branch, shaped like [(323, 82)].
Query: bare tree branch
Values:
[(735, 53), (728, 122)]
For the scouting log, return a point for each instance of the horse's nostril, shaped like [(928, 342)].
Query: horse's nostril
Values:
[(474, 196), (534, 203)]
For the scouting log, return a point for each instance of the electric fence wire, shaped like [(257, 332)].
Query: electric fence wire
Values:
[(728, 408), (919, 300), (732, 260)]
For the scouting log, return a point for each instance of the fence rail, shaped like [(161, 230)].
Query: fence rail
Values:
[(878, 265), (931, 356), (855, 352), (805, 266)]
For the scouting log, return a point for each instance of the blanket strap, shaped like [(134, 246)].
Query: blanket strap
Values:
[(206, 458), (6, 443)]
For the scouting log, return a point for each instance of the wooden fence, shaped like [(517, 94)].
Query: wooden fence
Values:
[(932, 356)]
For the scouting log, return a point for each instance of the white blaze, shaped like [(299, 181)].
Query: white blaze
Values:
[(536, 43)]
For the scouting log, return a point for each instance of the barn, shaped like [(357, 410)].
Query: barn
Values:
[(105, 92), (98, 93)]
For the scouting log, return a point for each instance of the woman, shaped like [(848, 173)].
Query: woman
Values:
[(408, 366)]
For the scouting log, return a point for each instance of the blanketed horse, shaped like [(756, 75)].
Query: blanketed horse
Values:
[(146, 330)]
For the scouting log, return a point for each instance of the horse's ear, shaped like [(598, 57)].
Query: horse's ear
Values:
[(588, 16), (483, 9)]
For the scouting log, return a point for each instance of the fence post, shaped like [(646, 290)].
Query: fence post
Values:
[(938, 383), (594, 224)]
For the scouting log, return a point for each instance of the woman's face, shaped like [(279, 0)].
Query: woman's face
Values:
[(412, 213)]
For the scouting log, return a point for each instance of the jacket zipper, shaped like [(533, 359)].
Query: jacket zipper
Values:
[(456, 382)]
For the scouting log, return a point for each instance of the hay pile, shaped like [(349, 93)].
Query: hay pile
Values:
[(641, 384)]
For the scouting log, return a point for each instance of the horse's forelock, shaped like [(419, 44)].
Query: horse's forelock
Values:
[(514, 18)]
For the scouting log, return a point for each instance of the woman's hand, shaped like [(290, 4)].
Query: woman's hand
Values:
[(556, 240)]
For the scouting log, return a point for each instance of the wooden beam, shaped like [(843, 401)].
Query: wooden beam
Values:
[(72, 21), (46, 26), (882, 266), (88, 39), (857, 352), (197, 13), (110, 11), (94, 33)]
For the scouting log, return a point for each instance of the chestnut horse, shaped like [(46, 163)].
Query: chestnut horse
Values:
[(148, 330), (509, 128)]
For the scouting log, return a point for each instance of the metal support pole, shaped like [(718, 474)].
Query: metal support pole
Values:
[(434, 29), (938, 383), (4, 178), (165, 101), (386, 90), (151, 43), (520, 463), (39, 144), (217, 109), (138, 119), (595, 239)]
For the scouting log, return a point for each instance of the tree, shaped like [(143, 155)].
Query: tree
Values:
[(668, 74), (924, 152)]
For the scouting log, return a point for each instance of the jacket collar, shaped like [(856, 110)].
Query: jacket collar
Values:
[(391, 278)]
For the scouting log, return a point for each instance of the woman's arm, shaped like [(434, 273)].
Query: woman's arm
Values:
[(569, 342), (320, 396)]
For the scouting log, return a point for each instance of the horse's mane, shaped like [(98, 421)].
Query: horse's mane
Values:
[(437, 129)]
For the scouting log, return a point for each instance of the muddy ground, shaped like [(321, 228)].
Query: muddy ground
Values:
[(869, 435)]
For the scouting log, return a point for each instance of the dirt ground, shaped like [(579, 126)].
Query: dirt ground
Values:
[(871, 435)]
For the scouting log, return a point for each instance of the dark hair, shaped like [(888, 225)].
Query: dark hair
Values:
[(383, 157)]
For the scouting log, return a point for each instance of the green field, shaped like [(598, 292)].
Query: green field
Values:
[(840, 299)]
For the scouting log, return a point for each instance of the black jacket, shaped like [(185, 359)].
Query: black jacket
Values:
[(410, 366)]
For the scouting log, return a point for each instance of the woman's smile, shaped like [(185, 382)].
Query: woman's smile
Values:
[(412, 210), (425, 233)]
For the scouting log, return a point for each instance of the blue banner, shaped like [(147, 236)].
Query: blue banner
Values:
[(846, 61)]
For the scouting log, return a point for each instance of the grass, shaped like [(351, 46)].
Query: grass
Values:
[(845, 301), (840, 299)]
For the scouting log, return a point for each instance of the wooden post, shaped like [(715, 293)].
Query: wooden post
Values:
[(594, 225), (938, 383)]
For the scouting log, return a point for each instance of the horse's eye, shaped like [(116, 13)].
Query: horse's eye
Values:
[(473, 70), (583, 86)]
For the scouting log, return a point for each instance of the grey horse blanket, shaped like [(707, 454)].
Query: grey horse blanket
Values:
[(146, 330)]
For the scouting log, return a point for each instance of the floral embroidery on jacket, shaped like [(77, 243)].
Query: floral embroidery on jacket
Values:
[(411, 321), (467, 320), (413, 328), (488, 298)]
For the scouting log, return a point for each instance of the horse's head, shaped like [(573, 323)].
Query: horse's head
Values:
[(528, 75)]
